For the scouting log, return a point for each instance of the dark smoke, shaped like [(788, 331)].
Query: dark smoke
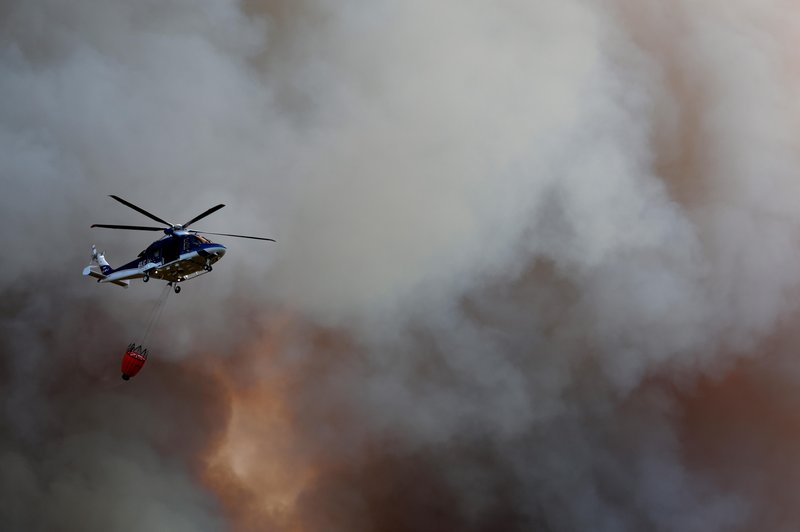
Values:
[(537, 265)]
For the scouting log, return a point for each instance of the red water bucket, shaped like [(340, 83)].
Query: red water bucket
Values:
[(132, 362)]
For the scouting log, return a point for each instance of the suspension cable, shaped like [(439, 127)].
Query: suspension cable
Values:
[(155, 315)]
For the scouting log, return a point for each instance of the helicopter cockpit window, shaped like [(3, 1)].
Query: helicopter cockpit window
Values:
[(193, 240), (203, 240)]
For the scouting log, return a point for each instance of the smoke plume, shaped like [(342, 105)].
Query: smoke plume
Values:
[(537, 265)]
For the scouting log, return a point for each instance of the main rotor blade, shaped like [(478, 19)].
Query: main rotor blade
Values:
[(199, 216), (131, 227), (140, 210), (237, 236)]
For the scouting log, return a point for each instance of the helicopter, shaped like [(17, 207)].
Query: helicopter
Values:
[(180, 255)]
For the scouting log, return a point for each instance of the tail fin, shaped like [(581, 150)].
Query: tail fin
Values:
[(100, 260)]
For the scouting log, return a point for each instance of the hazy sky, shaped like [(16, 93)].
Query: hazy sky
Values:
[(537, 265)]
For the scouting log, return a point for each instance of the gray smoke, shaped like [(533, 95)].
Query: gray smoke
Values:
[(512, 236)]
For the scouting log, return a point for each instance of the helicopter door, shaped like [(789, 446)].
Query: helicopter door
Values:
[(172, 250)]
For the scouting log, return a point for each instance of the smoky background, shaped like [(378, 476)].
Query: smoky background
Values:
[(532, 255)]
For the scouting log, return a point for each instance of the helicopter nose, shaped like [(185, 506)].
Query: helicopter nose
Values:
[(217, 249), (212, 252)]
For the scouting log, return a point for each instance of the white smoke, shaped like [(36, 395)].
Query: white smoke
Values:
[(517, 212)]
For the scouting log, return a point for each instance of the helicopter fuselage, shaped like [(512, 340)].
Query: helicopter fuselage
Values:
[(179, 256), (174, 258)]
